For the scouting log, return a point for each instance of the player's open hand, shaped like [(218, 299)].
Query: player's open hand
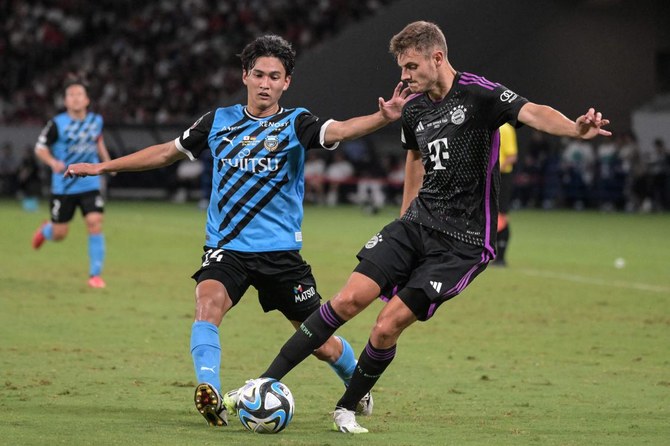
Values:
[(81, 170), (591, 125), (392, 109)]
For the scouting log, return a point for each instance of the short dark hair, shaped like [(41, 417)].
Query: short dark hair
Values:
[(75, 80), (268, 46), (420, 36)]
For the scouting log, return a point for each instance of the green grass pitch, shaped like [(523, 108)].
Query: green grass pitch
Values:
[(561, 348)]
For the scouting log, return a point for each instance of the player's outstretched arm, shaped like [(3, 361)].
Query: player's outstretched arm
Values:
[(549, 120), (44, 154), (152, 157), (353, 128)]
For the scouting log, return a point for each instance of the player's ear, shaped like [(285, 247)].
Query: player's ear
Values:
[(244, 76), (287, 82), (438, 58)]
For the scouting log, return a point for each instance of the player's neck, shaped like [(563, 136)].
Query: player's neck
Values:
[(263, 113), (443, 85), (77, 115)]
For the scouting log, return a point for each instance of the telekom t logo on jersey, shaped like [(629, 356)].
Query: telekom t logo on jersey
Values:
[(438, 152)]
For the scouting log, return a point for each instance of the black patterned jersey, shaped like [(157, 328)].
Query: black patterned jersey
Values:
[(459, 143)]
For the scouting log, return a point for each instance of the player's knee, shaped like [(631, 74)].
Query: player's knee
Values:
[(212, 301), (59, 233), (346, 305), (94, 224), (350, 301), (385, 333)]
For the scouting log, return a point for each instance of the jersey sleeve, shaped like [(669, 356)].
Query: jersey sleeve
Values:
[(311, 131), (48, 136), (407, 137), (195, 139), (504, 106)]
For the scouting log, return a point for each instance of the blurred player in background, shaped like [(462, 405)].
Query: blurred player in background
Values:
[(253, 231), (70, 137), (509, 151), (447, 232)]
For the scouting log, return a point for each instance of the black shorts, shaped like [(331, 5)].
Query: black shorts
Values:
[(283, 279), (63, 206), (424, 267), (505, 196)]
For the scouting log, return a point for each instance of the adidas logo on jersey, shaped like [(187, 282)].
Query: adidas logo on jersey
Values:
[(436, 285), (419, 128)]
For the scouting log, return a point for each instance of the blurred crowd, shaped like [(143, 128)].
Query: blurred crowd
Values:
[(163, 62), (155, 62), (607, 174)]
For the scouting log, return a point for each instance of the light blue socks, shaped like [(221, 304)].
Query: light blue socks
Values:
[(96, 252), (206, 353), (48, 231), (346, 363)]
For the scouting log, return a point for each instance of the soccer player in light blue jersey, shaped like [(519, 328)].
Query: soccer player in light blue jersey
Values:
[(253, 232), (70, 137)]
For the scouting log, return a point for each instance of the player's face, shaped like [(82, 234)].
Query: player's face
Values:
[(76, 99), (266, 81), (419, 70)]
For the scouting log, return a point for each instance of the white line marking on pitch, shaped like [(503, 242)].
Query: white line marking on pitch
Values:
[(592, 281)]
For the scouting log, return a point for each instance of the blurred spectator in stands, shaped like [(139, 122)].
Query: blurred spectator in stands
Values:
[(371, 178), (635, 168), (132, 51), (395, 178), (551, 178), (187, 179), (356, 151), (658, 171), (207, 161), (527, 182), (578, 160), (315, 169), (339, 172), (609, 175), (28, 180), (528, 177), (9, 166)]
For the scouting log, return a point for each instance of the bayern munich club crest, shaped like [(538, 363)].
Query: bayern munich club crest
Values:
[(271, 143), (458, 115), (373, 241)]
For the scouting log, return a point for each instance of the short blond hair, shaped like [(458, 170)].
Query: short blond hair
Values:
[(421, 36)]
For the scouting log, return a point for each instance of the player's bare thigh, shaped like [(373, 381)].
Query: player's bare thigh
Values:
[(212, 301), (359, 292), (391, 321)]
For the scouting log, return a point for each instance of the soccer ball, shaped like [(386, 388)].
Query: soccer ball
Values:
[(265, 406)]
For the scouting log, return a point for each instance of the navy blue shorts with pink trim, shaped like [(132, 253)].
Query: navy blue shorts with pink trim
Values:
[(424, 267)]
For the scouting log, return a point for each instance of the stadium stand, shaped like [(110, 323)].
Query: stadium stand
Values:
[(151, 64)]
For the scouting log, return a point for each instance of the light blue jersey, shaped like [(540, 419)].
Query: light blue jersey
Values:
[(258, 179), (72, 141)]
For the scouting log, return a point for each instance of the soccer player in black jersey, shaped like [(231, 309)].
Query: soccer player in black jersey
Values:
[(447, 232), (253, 234)]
